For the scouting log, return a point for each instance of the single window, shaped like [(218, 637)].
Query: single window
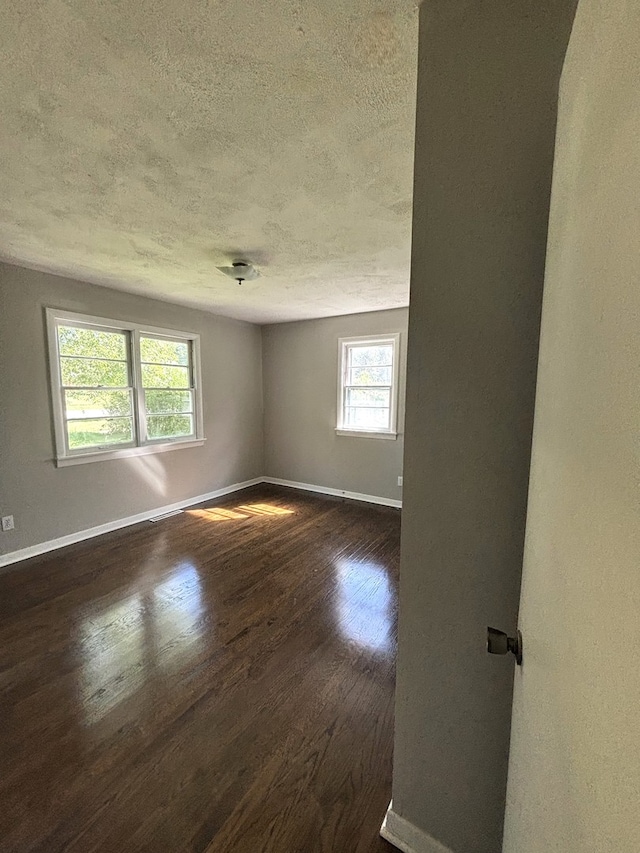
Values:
[(167, 380), (120, 389), (368, 386)]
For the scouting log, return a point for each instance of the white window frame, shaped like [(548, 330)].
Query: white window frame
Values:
[(373, 340), (141, 446)]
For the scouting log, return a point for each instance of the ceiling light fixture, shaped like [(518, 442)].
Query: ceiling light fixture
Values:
[(241, 271)]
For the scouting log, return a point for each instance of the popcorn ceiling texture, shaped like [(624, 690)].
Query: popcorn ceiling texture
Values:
[(145, 143)]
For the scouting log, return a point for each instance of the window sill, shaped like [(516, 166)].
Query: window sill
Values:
[(366, 433), (126, 452)]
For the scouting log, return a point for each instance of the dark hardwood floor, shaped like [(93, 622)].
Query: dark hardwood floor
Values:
[(219, 681)]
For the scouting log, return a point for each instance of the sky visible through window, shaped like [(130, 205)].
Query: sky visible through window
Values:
[(368, 382)]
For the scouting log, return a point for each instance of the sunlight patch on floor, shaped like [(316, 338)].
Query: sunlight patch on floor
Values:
[(127, 643), (242, 511), (266, 509), (216, 514), (365, 604)]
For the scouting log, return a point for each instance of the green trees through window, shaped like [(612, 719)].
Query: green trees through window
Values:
[(100, 372), (367, 400), (367, 387), (166, 378), (97, 388)]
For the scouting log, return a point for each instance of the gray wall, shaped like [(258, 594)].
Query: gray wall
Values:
[(300, 367), (574, 770), (48, 502), (487, 99)]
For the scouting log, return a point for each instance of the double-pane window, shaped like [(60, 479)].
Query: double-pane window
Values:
[(117, 386)]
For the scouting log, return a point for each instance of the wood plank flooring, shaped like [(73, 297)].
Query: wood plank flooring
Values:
[(220, 682)]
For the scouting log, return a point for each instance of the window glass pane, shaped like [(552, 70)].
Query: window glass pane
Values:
[(366, 418), (370, 356), (168, 402), (97, 404), (97, 385), (92, 343), (98, 432), (164, 352), (376, 397), (93, 372), (369, 376), (169, 426), (161, 376)]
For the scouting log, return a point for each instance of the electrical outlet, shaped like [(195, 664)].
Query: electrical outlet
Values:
[(399, 481), (7, 522)]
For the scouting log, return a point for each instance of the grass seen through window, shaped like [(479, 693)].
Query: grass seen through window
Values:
[(122, 387)]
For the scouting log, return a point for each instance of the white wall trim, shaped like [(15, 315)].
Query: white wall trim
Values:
[(127, 452), (341, 493), (364, 433), (90, 532), (53, 544), (407, 837)]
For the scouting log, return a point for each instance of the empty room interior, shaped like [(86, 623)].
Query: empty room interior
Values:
[(319, 426)]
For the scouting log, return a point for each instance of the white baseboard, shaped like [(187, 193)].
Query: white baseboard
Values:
[(325, 490), (407, 837), (52, 544), (89, 533)]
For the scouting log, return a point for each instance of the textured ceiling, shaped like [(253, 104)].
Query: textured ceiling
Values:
[(145, 142)]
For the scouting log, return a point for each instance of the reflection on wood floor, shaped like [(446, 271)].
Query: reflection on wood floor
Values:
[(220, 681)]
